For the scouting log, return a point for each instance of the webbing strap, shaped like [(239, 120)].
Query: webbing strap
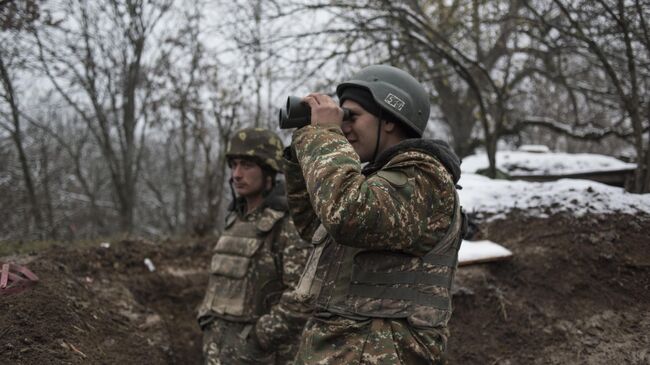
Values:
[(271, 240), (388, 278), (450, 239), (408, 294), (440, 260)]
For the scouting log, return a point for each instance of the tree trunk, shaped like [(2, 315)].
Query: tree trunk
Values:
[(45, 162), (16, 136), (458, 112), (186, 175)]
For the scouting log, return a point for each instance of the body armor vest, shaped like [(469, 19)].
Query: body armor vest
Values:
[(245, 271), (357, 283)]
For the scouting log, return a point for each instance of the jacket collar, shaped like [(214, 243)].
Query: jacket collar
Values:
[(433, 147)]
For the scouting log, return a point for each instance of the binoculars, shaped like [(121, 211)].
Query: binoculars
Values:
[(298, 114)]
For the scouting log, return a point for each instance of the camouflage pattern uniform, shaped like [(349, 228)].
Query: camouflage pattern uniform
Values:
[(385, 248), (258, 256)]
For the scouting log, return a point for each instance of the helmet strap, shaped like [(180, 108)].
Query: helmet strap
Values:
[(232, 194), (265, 176), (380, 119)]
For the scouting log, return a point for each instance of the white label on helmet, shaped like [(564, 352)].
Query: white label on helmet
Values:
[(394, 101)]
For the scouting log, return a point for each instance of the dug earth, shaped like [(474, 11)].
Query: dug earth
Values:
[(577, 290)]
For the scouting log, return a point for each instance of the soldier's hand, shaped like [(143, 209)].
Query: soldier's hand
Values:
[(252, 352), (324, 110)]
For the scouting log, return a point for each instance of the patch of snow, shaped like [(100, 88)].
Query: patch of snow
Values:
[(533, 163), (481, 251), (534, 148), (497, 197)]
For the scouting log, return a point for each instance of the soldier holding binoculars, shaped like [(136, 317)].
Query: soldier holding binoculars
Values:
[(385, 236)]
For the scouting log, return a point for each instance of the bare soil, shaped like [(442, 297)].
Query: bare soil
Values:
[(576, 291)]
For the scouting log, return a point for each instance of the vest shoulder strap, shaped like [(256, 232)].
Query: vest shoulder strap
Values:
[(231, 217), (270, 217), (270, 225), (452, 238)]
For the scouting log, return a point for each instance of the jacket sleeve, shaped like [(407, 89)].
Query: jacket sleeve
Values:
[(300, 208), (402, 207), (284, 323)]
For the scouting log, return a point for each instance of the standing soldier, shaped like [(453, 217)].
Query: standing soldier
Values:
[(385, 236), (258, 257)]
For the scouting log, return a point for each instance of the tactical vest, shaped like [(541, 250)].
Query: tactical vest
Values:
[(358, 283), (245, 271)]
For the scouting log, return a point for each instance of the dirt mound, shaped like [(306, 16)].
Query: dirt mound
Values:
[(103, 305), (576, 291)]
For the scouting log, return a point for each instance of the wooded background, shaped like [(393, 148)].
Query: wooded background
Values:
[(114, 114)]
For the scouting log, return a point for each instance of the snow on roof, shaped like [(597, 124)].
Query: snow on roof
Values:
[(536, 148), (497, 197), (536, 163)]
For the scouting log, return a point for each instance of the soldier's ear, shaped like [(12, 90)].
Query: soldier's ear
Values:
[(269, 182), (389, 127)]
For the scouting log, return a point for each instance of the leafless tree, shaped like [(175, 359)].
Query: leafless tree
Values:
[(252, 36), (612, 38), (202, 105), (13, 19), (468, 52), (96, 58)]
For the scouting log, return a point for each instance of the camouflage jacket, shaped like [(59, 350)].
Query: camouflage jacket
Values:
[(328, 185), (389, 218), (325, 182), (288, 252)]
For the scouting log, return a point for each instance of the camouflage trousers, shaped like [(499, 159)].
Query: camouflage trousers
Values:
[(222, 340), (377, 341)]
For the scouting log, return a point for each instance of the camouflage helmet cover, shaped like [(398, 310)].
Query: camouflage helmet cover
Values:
[(264, 146), (396, 92)]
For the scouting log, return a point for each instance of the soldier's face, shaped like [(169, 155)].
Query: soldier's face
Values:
[(247, 177), (361, 130)]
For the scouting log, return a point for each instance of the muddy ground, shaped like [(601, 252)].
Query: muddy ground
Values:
[(576, 291)]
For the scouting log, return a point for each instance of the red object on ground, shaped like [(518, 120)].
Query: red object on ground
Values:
[(15, 278)]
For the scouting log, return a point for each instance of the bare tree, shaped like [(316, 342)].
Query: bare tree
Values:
[(611, 37), (96, 59), (201, 106), (74, 141), (181, 68), (13, 18), (468, 52)]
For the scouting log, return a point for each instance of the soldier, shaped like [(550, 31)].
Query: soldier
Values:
[(258, 256), (385, 236)]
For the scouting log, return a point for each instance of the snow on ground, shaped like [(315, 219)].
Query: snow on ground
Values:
[(530, 163), (495, 198)]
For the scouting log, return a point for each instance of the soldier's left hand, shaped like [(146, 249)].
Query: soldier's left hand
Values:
[(324, 110), (251, 352)]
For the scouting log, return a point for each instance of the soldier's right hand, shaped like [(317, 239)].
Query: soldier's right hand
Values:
[(324, 110)]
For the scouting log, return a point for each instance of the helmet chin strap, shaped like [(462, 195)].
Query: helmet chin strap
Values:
[(232, 193), (380, 120)]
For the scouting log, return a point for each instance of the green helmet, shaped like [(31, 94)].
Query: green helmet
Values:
[(264, 146), (396, 92)]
